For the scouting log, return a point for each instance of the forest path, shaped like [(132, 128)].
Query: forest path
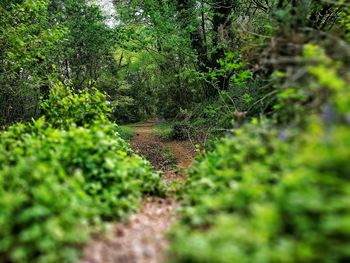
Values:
[(152, 148), (143, 238)]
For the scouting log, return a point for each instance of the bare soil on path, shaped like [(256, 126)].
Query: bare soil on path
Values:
[(143, 238)]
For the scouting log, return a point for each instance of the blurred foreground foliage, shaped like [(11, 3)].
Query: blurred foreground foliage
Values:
[(61, 176), (269, 193)]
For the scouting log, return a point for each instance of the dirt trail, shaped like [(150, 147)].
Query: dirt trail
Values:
[(142, 239), (147, 145)]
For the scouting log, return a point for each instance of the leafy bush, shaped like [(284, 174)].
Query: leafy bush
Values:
[(163, 131), (44, 212), (303, 218), (64, 107), (61, 175), (242, 170), (224, 182), (125, 132), (179, 131), (171, 131), (312, 202), (267, 195), (114, 176)]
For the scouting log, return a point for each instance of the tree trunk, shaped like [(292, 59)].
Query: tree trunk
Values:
[(221, 22)]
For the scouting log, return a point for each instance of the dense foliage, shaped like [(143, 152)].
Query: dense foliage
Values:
[(64, 39), (272, 206), (268, 194), (261, 88), (44, 212), (61, 175)]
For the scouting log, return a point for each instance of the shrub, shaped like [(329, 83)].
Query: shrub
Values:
[(257, 198), (304, 219), (44, 212), (61, 175), (114, 176), (163, 131), (65, 107), (242, 168), (125, 132), (179, 131), (312, 201)]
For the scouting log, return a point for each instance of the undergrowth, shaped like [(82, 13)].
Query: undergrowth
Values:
[(273, 193), (163, 131), (61, 176), (125, 132)]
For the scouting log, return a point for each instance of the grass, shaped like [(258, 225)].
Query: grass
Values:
[(170, 158), (163, 131), (125, 132)]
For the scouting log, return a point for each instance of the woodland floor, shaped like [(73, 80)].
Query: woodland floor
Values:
[(143, 238)]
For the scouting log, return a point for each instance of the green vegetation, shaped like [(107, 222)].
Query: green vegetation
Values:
[(163, 131), (44, 212), (171, 131), (125, 132), (170, 158), (272, 195), (262, 88), (267, 204), (61, 175)]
